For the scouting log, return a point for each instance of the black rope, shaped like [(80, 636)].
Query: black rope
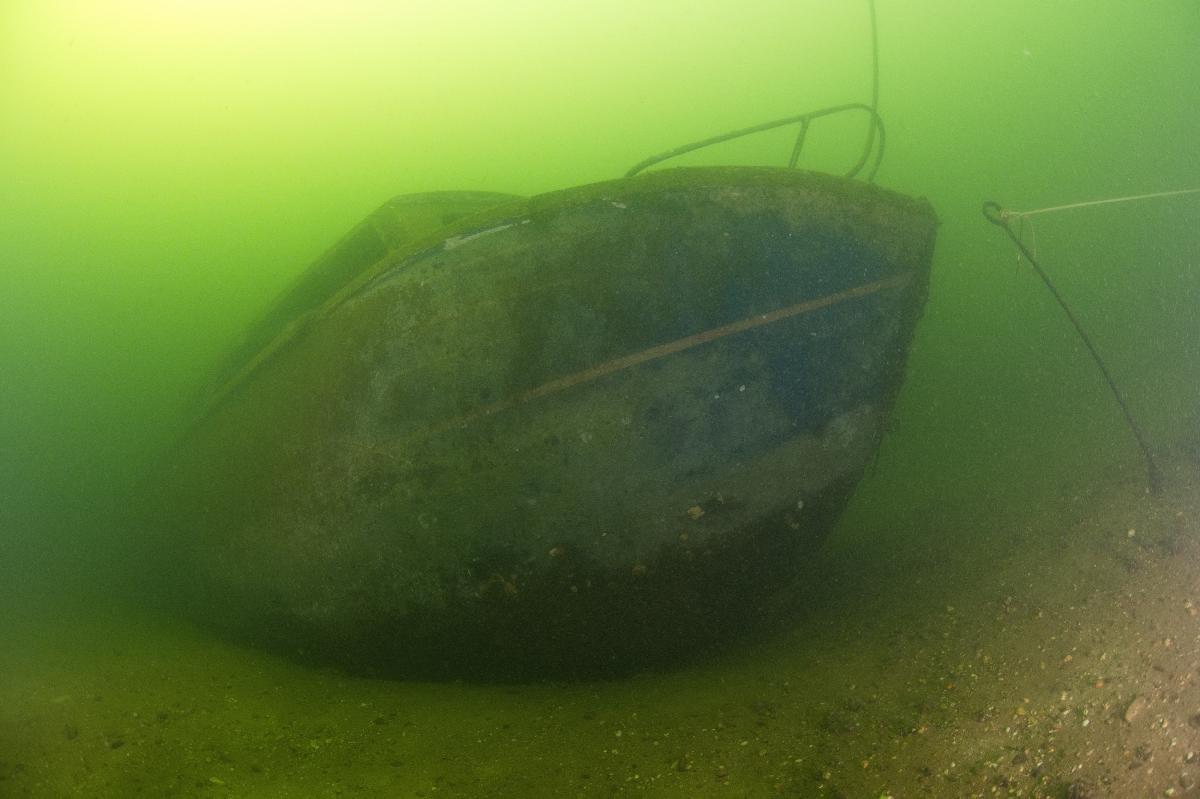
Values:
[(874, 95), (875, 125), (996, 215)]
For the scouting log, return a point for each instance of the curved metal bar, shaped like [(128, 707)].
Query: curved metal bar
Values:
[(799, 145), (876, 127), (802, 119)]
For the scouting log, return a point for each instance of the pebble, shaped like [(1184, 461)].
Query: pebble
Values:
[(1135, 708)]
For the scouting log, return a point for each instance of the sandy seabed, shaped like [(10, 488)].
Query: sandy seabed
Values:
[(1050, 651)]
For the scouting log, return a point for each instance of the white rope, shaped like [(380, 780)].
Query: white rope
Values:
[(1023, 214)]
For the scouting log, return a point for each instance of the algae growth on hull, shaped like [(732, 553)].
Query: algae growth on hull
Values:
[(582, 434)]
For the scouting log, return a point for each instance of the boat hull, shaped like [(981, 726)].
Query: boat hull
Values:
[(575, 435)]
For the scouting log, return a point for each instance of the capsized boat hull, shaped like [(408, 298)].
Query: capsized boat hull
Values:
[(575, 434)]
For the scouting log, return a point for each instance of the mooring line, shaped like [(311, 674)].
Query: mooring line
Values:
[(1010, 214), (994, 213)]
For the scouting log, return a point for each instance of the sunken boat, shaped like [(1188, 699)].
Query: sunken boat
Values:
[(574, 434)]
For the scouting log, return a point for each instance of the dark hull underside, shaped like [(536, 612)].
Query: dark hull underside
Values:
[(578, 434)]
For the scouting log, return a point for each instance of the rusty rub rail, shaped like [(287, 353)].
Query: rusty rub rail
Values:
[(672, 347)]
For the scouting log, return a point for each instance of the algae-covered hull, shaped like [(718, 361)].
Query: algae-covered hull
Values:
[(574, 434)]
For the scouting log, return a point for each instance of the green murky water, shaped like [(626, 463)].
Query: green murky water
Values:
[(166, 168)]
